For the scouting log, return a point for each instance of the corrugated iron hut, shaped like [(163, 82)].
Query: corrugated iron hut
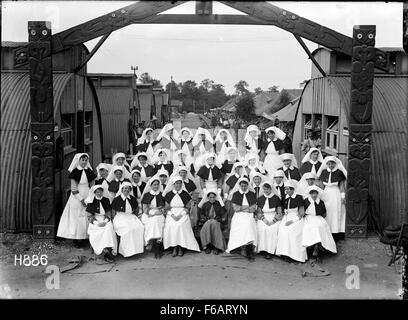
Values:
[(77, 128), (324, 107), (119, 104)]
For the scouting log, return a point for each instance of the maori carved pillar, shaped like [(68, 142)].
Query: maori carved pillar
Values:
[(362, 78), (42, 129), (405, 26)]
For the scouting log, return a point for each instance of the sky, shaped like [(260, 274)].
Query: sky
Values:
[(263, 56)]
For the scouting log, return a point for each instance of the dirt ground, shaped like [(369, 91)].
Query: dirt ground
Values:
[(198, 275)]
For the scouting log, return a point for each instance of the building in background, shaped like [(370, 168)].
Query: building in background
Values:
[(324, 108), (77, 129), (120, 109)]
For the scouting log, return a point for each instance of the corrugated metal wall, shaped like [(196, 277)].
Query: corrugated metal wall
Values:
[(115, 104), (15, 168)]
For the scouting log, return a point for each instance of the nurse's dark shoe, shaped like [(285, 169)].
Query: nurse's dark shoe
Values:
[(175, 252), (181, 252)]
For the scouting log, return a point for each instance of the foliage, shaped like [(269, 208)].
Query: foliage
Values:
[(246, 107), (198, 98), (146, 78), (241, 88), (273, 89)]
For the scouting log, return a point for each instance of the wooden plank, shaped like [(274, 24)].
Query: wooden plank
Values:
[(42, 129), (110, 22), (202, 19), (299, 39), (358, 179), (204, 7), (91, 54), (304, 28)]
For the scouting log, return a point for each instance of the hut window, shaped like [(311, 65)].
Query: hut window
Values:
[(67, 134), (307, 124), (88, 126), (332, 132)]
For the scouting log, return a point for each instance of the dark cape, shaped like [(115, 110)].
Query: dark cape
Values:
[(294, 203), (76, 175), (307, 167), (204, 172), (185, 197), (238, 197), (336, 176), (118, 204), (114, 185), (94, 206), (294, 174), (320, 208), (274, 202), (148, 198)]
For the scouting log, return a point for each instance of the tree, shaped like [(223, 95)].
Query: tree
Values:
[(241, 88), (217, 96), (246, 107), (146, 78), (273, 89), (284, 99), (175, 90), (258, 90)]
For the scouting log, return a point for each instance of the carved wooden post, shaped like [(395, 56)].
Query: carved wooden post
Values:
[(42, 129), (405, 249), (362, 78)]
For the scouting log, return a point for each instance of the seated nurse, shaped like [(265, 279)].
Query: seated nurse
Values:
[(126, 222), (178, 232)]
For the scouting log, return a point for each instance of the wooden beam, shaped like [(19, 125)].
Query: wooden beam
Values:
[(202, 19), (317, 65), (304, 28), (91, 54), (360, 126), (204, 7), (110, 22), (42, 129)]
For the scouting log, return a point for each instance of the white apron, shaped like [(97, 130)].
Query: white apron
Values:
[(179, 233), (243, 229), (102, 237), (74, 220), (267, 235), (272, 160), (316, 229), (153, 224), (290, 237), (336, 213), (131, 232)]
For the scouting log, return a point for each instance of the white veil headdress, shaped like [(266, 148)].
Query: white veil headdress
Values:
[(290, 156), (205, 197), (306, 158), (75, 162), (279, 134), (91, 195), (339, 166), (111, 175), (196, 138)]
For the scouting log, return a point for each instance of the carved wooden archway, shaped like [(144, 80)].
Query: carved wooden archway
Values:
[(42, 44)]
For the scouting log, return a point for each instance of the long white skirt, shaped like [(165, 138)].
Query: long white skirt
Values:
[(243, 231), (131, 232), (315, 230), (272, 163), (179, 233), (290, 238), (336, 213), (74, 220), (102, 237), (153, 226), (267, 235)]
